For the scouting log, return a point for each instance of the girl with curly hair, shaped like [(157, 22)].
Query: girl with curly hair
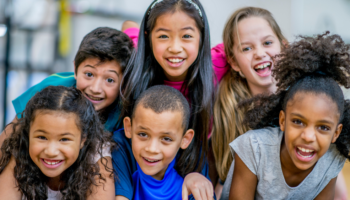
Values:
[(301, 134), (58, 150)]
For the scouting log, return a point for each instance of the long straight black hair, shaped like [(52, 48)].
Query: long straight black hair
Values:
[(145, 72)]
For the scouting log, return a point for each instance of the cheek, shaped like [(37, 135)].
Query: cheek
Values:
[(158, 50), (169, 152)]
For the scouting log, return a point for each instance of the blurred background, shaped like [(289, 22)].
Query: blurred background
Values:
[(41, 37)]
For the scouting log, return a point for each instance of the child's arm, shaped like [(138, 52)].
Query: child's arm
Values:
[(328, 191), (104, 189), (8, 188), (244, 182)]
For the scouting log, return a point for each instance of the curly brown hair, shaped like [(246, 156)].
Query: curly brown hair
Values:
[(312, 64), (81, 175)]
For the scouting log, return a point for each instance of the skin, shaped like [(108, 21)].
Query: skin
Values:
[(175, 35), (310, 121), (257, 44), (98, 79), (94, 78), (55, 135), (159, 136), (156, 136)]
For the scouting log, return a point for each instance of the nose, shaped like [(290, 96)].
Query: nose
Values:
[(96, 86), (153, 146), (309, 134), (52, 149), (175, 46), (260, 52)]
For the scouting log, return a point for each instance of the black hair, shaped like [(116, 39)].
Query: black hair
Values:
[(146, 72), (162, 98), (84, 172), (315, 65), (105, 43)]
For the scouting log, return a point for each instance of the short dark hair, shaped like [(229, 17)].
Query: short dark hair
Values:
[(105, 43), (162, 98)]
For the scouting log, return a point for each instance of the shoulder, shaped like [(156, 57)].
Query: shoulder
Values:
[(269, 136), (333, 161)]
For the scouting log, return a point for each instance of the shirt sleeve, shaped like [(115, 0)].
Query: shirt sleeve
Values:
[(124, 165), (247, 148), (64, 78), (133, 33), (220, 64)]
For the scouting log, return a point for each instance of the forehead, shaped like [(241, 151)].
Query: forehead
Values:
[(254, 27), (175, 21), (312, 105), (55, 122), (96, 63), (159, 122)]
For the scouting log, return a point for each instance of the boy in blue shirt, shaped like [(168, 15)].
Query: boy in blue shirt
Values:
[(149, 143), (98, 69)]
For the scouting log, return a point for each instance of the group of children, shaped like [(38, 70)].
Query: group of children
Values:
[(153, 112)]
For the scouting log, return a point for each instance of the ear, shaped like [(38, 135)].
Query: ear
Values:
[(285, 43), (127, 127), (337, 132), (82, 143), (282, 120), (233, 64), (187, 139)]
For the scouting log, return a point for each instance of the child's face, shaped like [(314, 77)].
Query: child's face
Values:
[(54, 142), (99, 81), (254, 52), (156, 139), (310, 125), (175, 44)]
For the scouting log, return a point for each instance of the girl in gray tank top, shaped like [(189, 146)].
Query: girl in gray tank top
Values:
[(301, 134)]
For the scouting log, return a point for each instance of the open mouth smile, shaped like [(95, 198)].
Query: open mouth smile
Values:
[(263, 69), (51, 163), (305, 154), (93, 98)]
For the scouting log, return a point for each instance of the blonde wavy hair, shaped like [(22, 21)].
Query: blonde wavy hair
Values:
[(233, 88)]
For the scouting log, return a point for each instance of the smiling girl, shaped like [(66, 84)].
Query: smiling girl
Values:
[(301, 133), (251, 40), (58, 150), (174, 49)]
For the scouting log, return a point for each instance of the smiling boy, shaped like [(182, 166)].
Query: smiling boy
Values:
[(98, 69), (155, 132)]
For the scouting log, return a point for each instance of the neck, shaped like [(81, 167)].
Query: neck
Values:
[(55, 183), (256, 90)]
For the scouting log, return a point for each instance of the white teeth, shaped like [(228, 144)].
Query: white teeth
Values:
[(151, 160), (262, 66), (95, 98), (51, 163), (305, 156), (175, 60), (305, 150)]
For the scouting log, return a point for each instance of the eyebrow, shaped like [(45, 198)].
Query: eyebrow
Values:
[(44, 132), (113, 71), (167, 133), (321, 121), (264, 38), (167, 30)]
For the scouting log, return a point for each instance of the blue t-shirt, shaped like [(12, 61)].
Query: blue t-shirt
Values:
[(125, 166), (62, 79)]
